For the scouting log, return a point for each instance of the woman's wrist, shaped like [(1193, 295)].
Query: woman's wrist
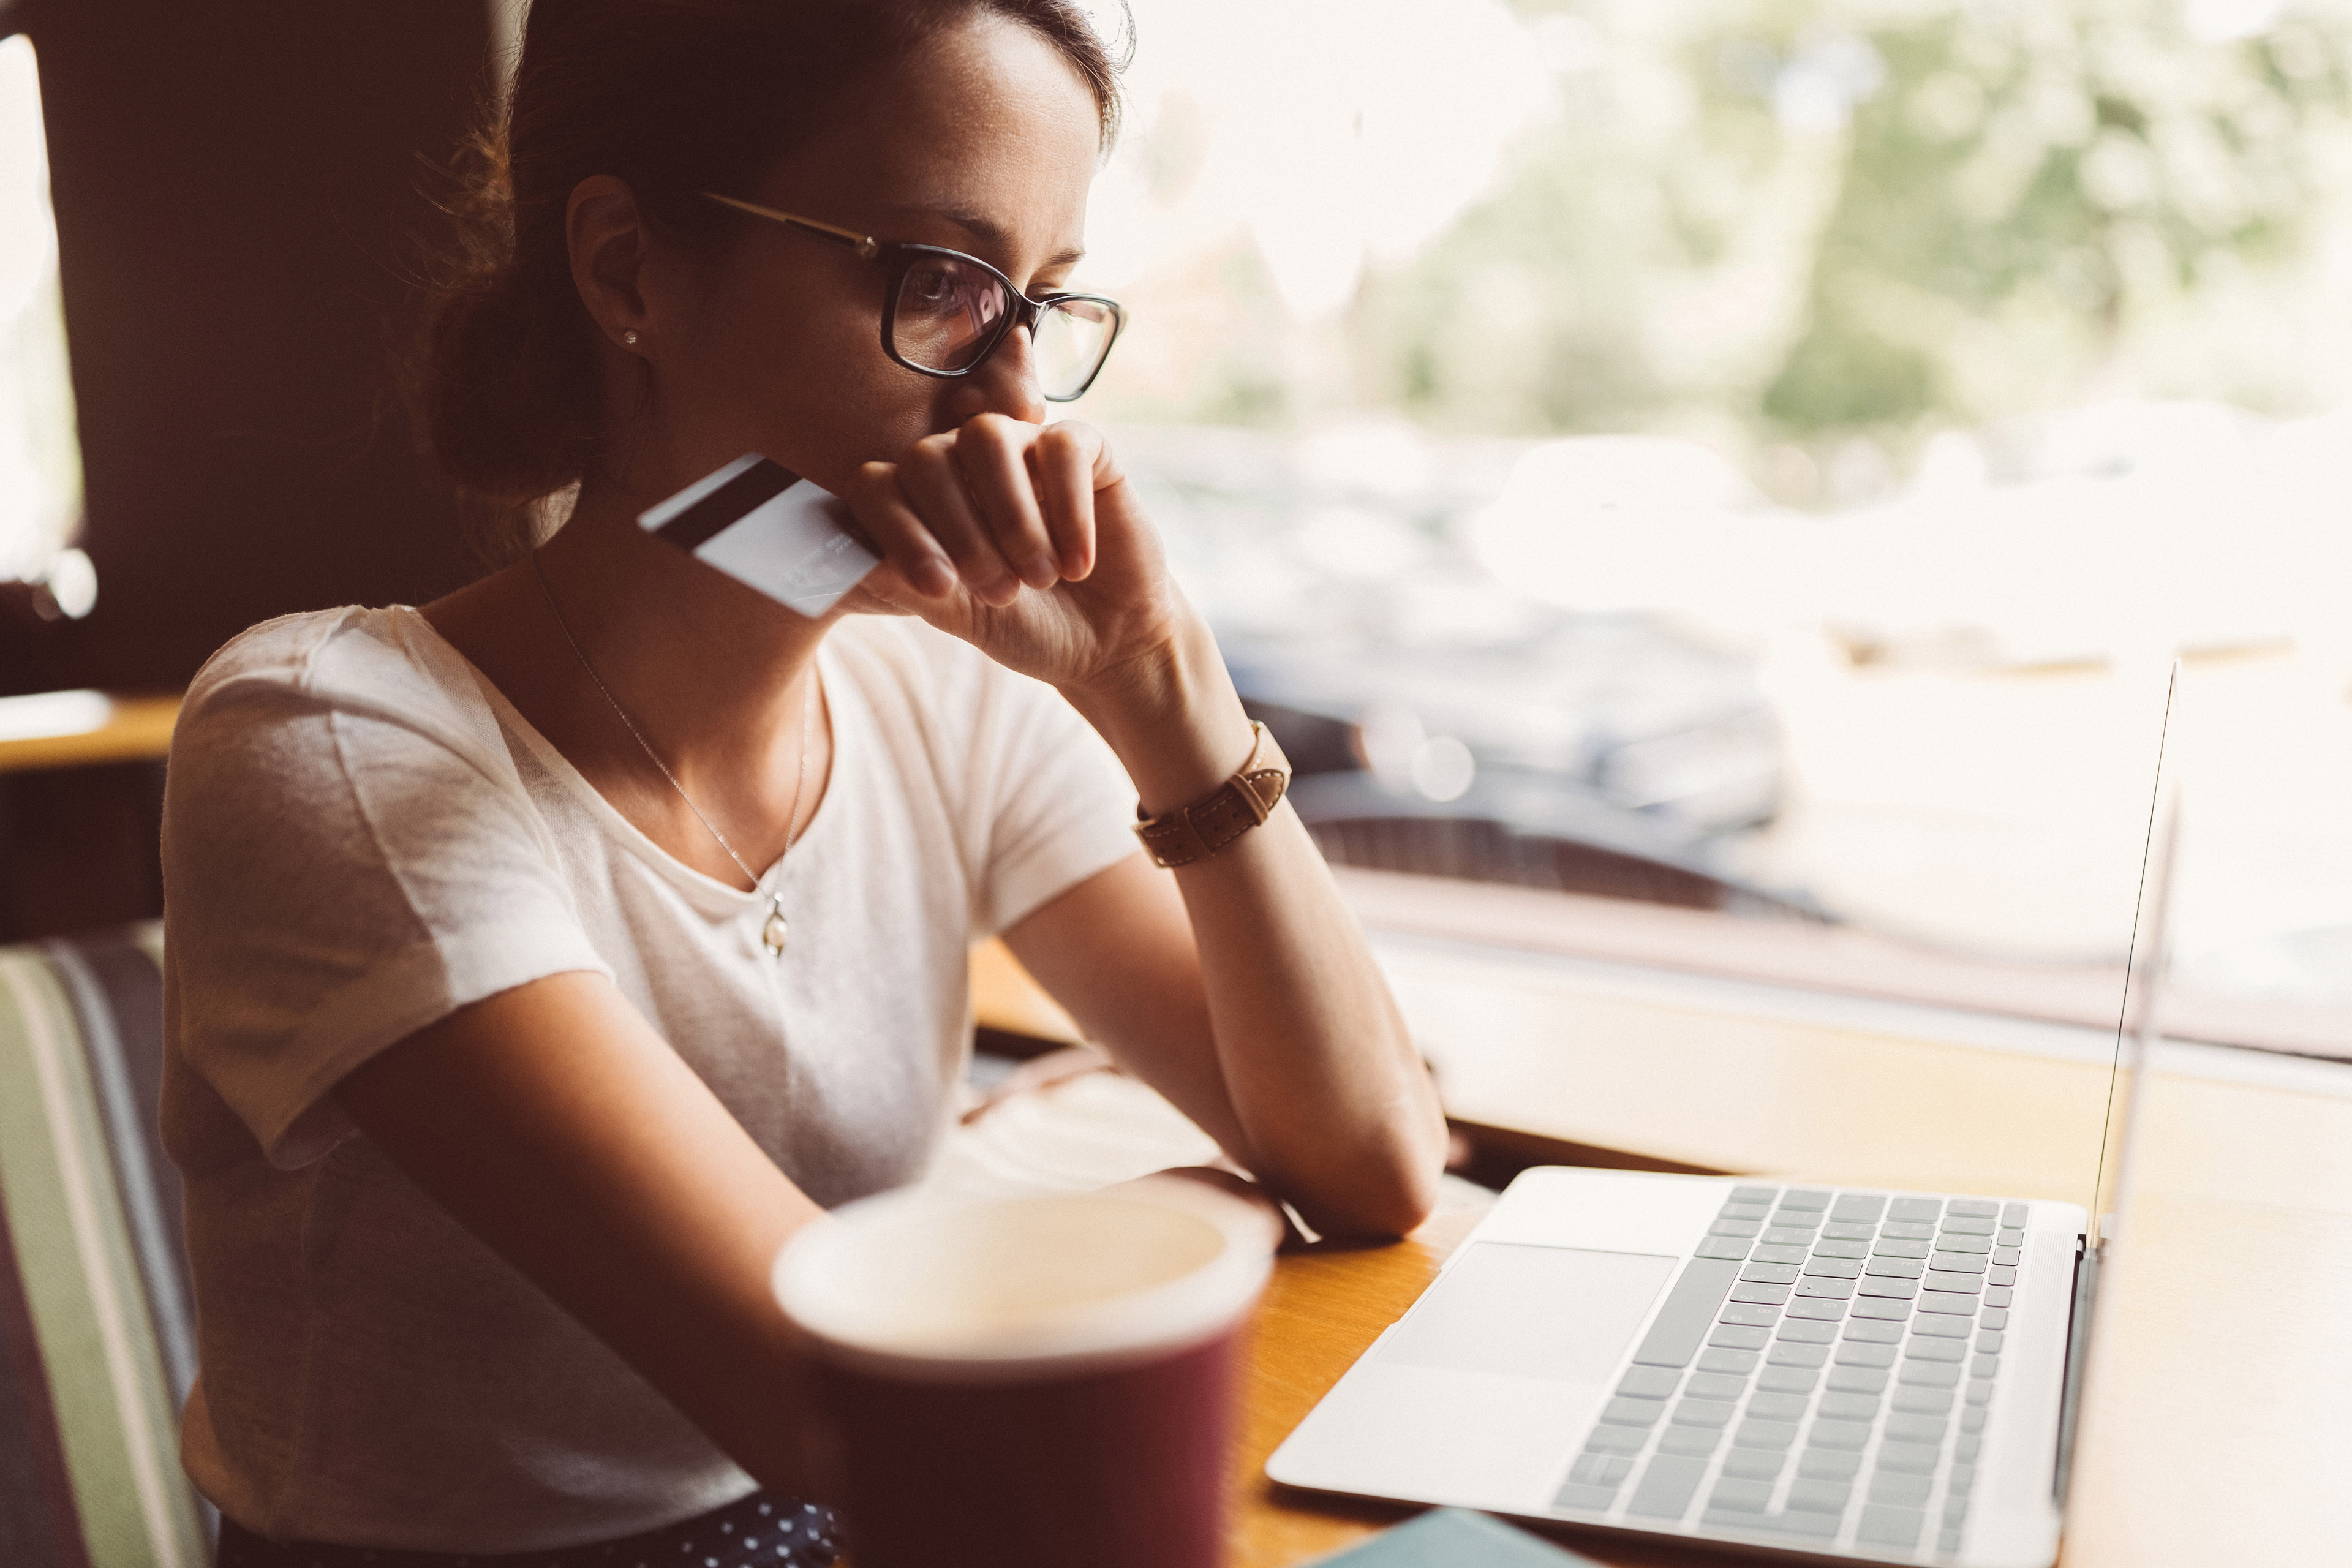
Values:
[(1173, 717)]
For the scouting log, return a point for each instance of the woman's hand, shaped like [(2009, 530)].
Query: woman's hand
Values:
[(969, 518)]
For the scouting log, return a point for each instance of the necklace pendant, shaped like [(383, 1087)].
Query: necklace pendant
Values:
[(773, 934)]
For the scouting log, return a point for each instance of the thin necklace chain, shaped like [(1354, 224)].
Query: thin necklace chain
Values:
[(808, 731)]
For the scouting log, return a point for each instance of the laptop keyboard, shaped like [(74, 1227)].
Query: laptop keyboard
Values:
[(1819, 1375)]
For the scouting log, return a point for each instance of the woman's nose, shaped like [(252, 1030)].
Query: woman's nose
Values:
[(1007, 381)]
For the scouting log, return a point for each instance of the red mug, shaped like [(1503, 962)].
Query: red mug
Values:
[(1047, 1381)]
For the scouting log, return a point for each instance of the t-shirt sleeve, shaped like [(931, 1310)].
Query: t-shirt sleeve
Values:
[(1060, 805), (348, 857)]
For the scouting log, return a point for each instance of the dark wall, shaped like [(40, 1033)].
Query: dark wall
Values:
[(237, 190)]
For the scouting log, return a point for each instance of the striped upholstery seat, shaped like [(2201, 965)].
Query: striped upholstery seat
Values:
[(97, 1343)]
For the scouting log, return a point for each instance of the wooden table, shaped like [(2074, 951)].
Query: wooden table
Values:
[(2218, 1424)]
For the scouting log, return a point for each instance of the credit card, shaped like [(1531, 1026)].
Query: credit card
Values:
[(762, 524)]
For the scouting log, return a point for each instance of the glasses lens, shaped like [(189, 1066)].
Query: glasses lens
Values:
[(947, 313), (1073, 336)]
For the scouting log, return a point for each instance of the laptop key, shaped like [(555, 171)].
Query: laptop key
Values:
[(1928, 1375), (1977, 1245), (1897, 1267), (1972, 1419), (2005, 1257), (1801, 1523), (1994, 1317), (1984, 1366), (1804, 1198), (1607, 1439), (1908, 1459), (1960, 1479), (1915, 1428), (1648, 1382), (1947, 1541), (1904, 1230), (1968, 1445), (1667, 1486), (1892, 1312), (1706, 1385), (1773, 1252), (2009, 1236), (1787, 1379), (1674, 1334), (1997, 1295), (1859, 1379), (1973, 1209), (1754, 1464), (1896, 1247), (1953, 1351), (1600, 1469), (1852, 1436), (1923, 1401), (1799, 1355), (1748, 1496), (1757, 1211), (1889, 1289), (1703, 1413), (1776, 1406), (1739, 1337), (1816, 1309), (1841, 1230), (1830, 1246), (1797, 1330), (1850, 1406), (1819, 1497), (1754, 1195), (1734, 1228), (1697, 1442), (1942, 1301), (1723, 1360), (2000, 1273), (1954, 1225), (1764, 1295), (1820, 1464), (1787, 1235), (1730, 1249), (1858, 1207), (1871, 1334), (1756, 1433), (1938, 1280), (1820, 1268), (1851, 1354), (2012, 1213), (1915, 1208), (1824, 1289), (1771, 1273), (1942, 1328), (1632, 1411), (1576, 1494), (1749, 1314), (1904, 1491)]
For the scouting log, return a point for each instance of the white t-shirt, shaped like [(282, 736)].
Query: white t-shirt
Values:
[(361, 836)]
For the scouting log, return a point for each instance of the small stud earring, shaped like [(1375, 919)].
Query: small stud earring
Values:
[(630, 338)]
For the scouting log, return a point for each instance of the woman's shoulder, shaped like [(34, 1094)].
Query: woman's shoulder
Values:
[(276, 687)]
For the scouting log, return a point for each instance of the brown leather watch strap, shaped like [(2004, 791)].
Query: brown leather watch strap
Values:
[(1197, 831)]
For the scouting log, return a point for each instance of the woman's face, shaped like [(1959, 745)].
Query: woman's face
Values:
[(984, 140)]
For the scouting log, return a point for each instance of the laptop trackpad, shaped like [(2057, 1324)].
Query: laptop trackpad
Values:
[(1551, 1312)]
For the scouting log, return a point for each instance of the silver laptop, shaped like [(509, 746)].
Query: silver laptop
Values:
[(1819, 1372)]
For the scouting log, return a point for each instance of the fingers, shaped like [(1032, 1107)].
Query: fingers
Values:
[(895, 530), (991, 453), (995, 503), (932, 479), (1062, 462)]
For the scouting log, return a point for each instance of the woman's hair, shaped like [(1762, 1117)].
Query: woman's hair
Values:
[(674, 97)]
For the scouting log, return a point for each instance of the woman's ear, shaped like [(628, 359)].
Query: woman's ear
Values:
[(607, 239)]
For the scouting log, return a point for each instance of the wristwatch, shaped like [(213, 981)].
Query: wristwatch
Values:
[(1194, 832)]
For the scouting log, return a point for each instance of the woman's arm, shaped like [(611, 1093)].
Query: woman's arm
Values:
[(555, 1124), (1241, 987)]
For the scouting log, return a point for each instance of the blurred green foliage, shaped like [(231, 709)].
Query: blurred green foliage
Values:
[(1809, 220)]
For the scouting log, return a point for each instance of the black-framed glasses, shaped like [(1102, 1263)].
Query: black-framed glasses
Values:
[(944, 312)]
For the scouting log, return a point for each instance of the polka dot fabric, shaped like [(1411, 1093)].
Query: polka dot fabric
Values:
[(763, 1530)]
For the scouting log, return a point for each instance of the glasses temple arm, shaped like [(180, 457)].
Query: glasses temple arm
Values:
[(864, 245)]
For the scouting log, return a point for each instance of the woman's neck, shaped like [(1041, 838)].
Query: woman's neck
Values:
[(707, 671)]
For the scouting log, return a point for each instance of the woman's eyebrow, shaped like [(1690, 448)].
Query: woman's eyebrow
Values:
[(988, 230)]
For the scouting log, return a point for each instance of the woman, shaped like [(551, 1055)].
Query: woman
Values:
[(540, 960)]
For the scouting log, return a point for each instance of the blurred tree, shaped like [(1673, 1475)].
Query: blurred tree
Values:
[(1833, 218)]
